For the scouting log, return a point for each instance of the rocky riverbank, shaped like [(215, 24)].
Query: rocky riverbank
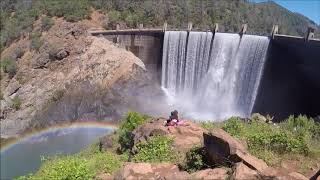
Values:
[(225, 156), (144, 148)]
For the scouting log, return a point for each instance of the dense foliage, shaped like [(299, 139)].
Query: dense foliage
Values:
[(195, 160), (84, 165), (132, 120), (9, 65), (295, 135), (157, 149), (17, 17)]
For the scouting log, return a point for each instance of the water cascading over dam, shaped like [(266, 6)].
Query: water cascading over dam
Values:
[(212, 77)]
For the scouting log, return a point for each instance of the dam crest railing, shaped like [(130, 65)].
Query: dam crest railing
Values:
[(243, 30)]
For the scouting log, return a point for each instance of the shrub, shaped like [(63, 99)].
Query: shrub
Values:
[(294, 135), (157, 149), (195, 160), (53, 51), (234, 126), (36, 41), (65, 168), (72, 11), (114, 17), (84, 165), (299, 126), (9, 66), (279, 142), (19, 52), (315, 131), (46, 23), (1, 95), (207, 125), (16, 103), (132, 120)]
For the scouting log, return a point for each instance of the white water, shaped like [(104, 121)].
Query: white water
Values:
[(213, 82)]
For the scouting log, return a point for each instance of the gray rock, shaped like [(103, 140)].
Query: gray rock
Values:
[(12, 88), (243, 172), (223, 149), (61, 54), (105, 143), (40, 61)]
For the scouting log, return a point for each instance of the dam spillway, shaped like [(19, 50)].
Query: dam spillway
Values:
[(212, 77), (289, 82)]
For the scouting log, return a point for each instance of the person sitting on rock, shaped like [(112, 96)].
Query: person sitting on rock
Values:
[(173, 119)]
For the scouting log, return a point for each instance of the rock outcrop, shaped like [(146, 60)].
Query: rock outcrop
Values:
[(132, 171), (243, 172), (82, 65), (209, 174), (184, 137), (163, 171), (223, 149)]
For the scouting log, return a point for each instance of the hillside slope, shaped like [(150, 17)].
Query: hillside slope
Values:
[(67, 60), (17, 17)]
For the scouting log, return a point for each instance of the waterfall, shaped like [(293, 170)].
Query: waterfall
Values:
[(174, 49), (212, 77)]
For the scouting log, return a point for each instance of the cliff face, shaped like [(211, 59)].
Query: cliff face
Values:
[(69, 63)]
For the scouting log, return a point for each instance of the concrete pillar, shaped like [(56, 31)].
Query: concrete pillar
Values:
[(140, 26), (275, 29), (117, 36), (216, 28), (165, 25), (310, 33), (243, 29), (189, 26)]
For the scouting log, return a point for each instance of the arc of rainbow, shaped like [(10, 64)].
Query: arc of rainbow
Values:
[(67, 125)]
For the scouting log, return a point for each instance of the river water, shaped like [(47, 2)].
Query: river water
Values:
[(24, 156)]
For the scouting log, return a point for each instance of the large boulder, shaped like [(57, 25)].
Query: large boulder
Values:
[(222, 148), (133, 171), (251, 161), (220, 145), (184, 136), (243, 172), (106, 142), (296, 176), (208, 174), (12, 88)]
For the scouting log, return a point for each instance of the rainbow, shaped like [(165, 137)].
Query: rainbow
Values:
[(27, 135)]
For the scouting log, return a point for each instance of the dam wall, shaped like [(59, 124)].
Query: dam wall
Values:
[(290, 79), (148, 47)]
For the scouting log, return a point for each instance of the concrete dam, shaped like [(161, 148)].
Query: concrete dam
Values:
[(213, 75)]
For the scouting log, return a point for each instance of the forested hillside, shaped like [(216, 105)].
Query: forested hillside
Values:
[(18, 16)]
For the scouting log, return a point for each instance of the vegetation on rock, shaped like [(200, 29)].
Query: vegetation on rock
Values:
[(195, 160), (8, 65), (132, 120), (295, 135), (84, 165), (16, 103), (46, 23), (36, 41), (157, 149)]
